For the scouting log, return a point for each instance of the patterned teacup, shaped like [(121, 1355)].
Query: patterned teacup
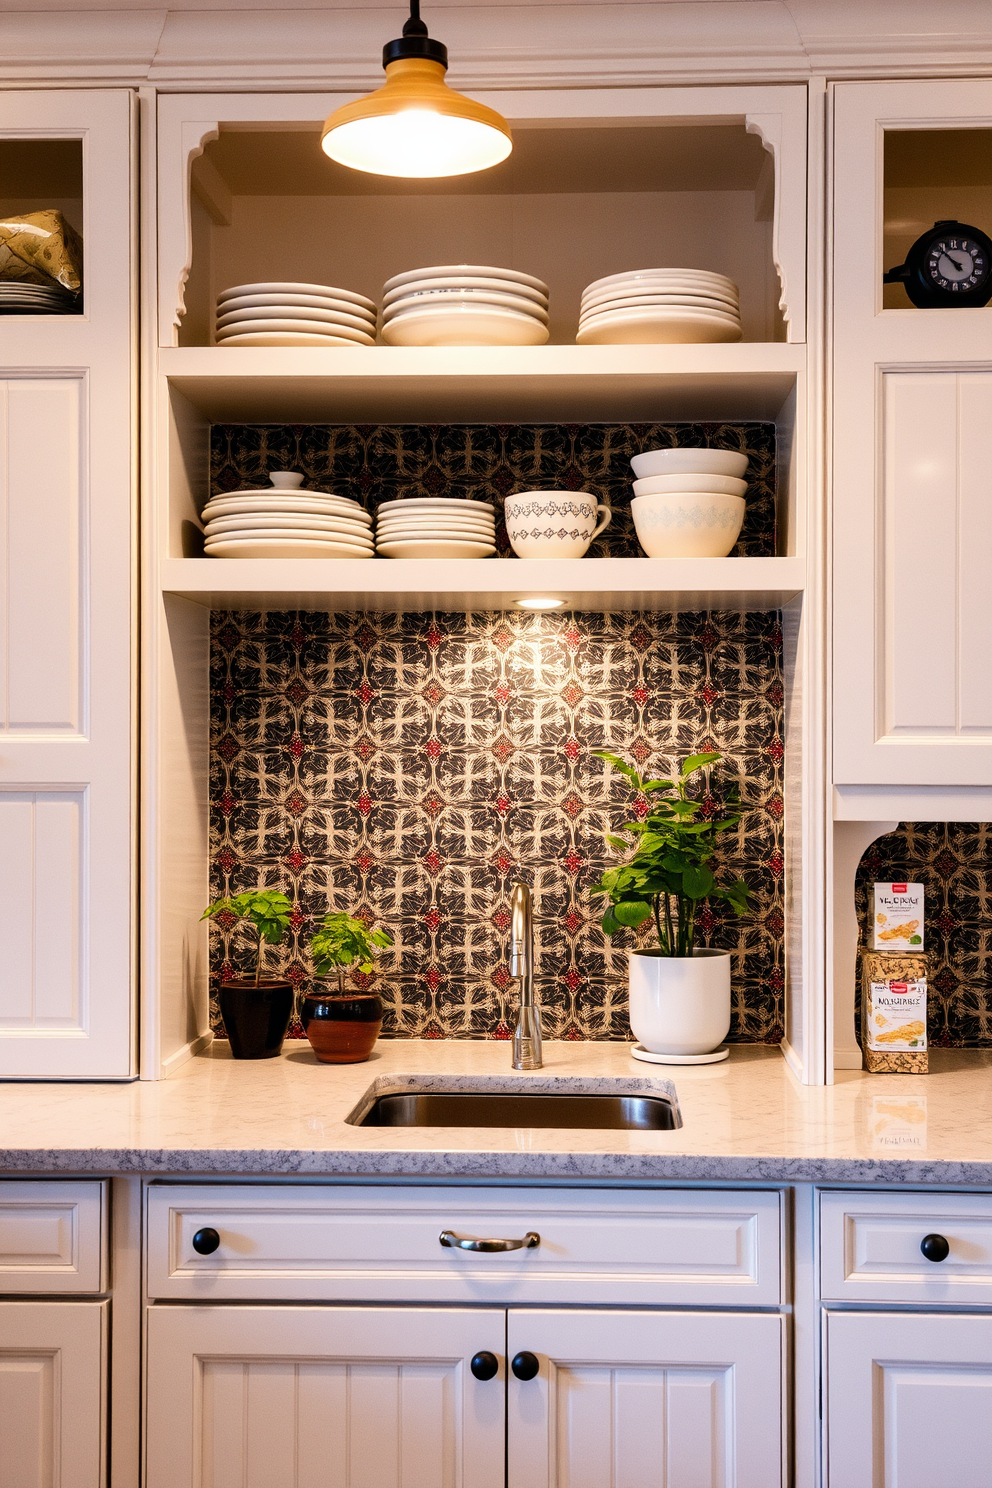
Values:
[(553, 524)]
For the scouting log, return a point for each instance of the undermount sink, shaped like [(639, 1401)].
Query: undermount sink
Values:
[(511, 1109)]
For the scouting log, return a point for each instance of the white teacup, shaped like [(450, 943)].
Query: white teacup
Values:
[(553, 524)]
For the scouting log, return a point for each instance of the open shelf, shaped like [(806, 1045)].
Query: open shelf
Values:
[(415, 584)]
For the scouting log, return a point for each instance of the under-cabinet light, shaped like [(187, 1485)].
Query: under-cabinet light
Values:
[(540, 604), (415, 125)]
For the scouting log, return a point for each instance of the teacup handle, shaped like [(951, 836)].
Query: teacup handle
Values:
[(607, 519)]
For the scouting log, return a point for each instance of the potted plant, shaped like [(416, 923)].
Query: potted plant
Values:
[(679, 992), (256, 1010), (342, 1027)]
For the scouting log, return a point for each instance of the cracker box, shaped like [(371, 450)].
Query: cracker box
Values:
[(898, 918), (894, 1013)]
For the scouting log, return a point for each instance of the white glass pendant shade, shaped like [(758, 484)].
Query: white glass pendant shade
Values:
[(416, 126)]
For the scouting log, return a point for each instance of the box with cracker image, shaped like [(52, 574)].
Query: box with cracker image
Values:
[(894, 1013), (897, 921)]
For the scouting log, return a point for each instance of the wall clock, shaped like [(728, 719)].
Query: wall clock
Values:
[(951, 264)]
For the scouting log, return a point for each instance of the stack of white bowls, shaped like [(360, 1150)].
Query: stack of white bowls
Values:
[(294, 315), (424, 527), (688, 503), (286, 522), (658, 306), (464, 305)]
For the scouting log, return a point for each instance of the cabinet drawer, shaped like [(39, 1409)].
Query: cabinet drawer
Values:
[(345, 1242), (870, 1247), (52, 1237)]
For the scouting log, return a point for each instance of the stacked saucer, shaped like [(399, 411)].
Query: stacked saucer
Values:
[(17, 297), (286, 522), (294, 315), (422, 527), (653, 306), (464, 305)]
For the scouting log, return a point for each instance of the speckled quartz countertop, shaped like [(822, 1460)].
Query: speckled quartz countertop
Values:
[(746, 1119)]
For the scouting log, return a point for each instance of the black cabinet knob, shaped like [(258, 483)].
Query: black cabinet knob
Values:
[(485, 1366), (935, 1247), (206, 1241), (525, 1366)]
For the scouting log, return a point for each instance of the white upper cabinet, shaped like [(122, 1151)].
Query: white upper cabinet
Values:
[(912, 445), (66, 457)]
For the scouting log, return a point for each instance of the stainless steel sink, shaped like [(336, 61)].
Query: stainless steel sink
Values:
[(508, 1109)]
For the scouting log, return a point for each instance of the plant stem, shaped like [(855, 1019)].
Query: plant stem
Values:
[(670, 928), (340, 981), (656, 906), (258, 959)]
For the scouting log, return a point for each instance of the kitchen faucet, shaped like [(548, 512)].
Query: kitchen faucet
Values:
[(527, 1030)]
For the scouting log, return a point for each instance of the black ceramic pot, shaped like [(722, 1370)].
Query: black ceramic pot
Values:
[(256, 1016), (342, 1030)]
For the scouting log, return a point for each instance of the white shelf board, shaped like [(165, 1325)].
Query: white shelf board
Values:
[(492, 384), (417, 584)]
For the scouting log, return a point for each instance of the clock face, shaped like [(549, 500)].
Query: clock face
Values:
[(956, 263)]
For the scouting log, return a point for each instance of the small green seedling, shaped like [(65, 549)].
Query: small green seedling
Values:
[(343, 941), (268, 910)]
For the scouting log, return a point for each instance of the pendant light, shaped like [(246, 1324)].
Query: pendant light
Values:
[(415, 125)]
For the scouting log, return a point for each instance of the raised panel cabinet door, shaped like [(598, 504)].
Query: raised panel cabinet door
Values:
[(324, 1397), (908, 1400), (52, 1394), (645, 1400)]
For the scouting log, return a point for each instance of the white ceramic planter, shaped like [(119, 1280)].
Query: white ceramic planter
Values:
[(680, 1004)]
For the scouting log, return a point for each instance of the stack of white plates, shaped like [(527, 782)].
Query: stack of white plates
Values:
[(18, 298), (422, 527), (294, 315), (286, 522), (659, 305), (464, 305)]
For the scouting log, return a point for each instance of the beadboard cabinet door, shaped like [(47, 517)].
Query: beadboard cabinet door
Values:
[(911, 451), (908, 1400), (66, 633), (644, 1399), (324, 1397), (52, 1394)]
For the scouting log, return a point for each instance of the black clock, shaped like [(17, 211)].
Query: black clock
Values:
[(951, 264)]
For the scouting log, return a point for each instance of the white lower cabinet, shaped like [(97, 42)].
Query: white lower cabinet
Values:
[(908, 1400), (52, 1405)]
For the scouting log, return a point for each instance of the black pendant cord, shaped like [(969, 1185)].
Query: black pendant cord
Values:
[(414, 26), (415, 42)]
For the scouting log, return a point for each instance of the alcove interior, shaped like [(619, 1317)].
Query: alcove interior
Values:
[(36, 175), (570, 205), (930, 174)]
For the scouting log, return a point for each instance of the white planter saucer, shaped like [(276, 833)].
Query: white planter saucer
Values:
[(638, 1051)]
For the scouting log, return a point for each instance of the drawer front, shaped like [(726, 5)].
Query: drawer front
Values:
[(870, 1247), (53, 1237), (353, 1243)]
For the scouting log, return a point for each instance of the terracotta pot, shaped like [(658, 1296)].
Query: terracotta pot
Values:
[(256, 1016), (342, 1030)]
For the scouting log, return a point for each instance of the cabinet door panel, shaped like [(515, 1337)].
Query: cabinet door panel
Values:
[(909, 1400), (242, 1397), (646, 1400), (52, 1366)]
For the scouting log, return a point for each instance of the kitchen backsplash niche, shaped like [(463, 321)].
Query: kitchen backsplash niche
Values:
[(411, 767)]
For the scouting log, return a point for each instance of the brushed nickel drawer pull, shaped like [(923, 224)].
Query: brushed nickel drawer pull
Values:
[(465, 1242)]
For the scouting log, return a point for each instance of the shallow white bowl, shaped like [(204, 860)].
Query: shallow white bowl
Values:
[(332, 330), (323, 291), (295, 302), (464, 325), (657, 326), (462, 271), (659, 485), (439, 298), (317, 319), (688, 462), (638, 276), (688, 524), (423, 287)]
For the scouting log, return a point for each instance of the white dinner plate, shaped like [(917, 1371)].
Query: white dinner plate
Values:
[(658, 328), (463, 297), (307, 327), (438, 548), (283, 547), (465, 271), (322, 290), (285, 534), (685, 302), (337, 526), (463, 286), (401, 534), (296, 301), (301, 505), (295, 313), (464, 325), (637, 276), (663, 284), (291, 338), (437, 503)]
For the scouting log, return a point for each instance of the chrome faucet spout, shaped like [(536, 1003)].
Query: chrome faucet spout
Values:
[(527, 1030)]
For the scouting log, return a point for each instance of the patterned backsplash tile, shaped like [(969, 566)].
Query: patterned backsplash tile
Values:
[(411, 767), (953, 861)]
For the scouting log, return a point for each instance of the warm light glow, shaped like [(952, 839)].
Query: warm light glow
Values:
[(416, 126), (540, 604)]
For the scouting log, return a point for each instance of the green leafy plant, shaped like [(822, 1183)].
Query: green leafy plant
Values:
[(342, 941), (268, 910), (668, 876)]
